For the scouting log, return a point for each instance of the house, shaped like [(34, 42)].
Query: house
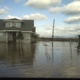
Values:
[(11, 30)]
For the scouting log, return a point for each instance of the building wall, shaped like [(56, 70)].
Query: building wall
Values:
[(27, 37), (3, 37)]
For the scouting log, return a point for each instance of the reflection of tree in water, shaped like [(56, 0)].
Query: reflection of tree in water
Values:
[(78, 46), (78, 51), (16, 54)]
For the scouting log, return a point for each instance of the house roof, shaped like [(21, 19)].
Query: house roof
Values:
[(13, 19)]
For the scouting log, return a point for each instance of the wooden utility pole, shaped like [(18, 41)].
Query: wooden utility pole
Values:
[(53, 32)]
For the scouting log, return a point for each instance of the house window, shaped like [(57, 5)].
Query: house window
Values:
[(10, 24), (13, 24), (18, 25), (7, 24)]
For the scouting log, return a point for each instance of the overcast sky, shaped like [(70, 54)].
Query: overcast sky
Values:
[(65, 12)]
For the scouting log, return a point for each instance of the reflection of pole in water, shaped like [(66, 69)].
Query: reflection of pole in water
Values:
[(46, 50), (71, 48)]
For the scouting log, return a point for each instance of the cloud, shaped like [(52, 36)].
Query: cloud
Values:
[(4, 10), (69, 9), (73, 19), (10, 17), (55, 9), (42, 4), (72, 8), (36, 16)]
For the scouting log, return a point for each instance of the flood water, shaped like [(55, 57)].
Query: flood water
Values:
[(39, 61)]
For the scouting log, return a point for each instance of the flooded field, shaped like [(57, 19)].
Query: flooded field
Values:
[(39, 61)]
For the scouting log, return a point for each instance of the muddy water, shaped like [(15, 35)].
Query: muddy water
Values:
[(39, 61)]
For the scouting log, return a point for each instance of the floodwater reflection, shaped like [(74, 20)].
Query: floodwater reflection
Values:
[(36, 60), (13, 53), (14, 56)]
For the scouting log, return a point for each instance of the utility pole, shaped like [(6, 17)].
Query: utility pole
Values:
[(53, 32)]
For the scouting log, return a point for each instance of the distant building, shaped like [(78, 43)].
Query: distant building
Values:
[(10, 29)]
